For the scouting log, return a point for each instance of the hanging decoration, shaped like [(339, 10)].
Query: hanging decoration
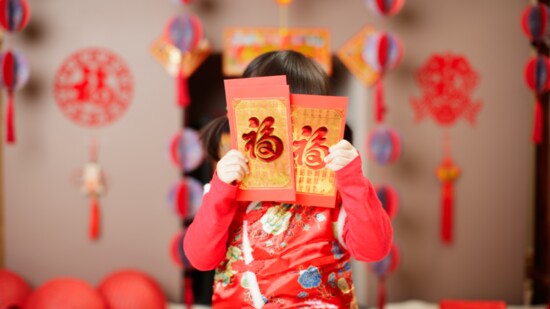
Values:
[(382, 269), (179, 258), (185, 198), (15, 74), (93, 87), (389, 199), (183, 32), (385, 7), (93, 185), (383, 145), (537, 77), (186, 150), (447, 173), (448, 81), (172, 60), (14, 17), (535, 22)]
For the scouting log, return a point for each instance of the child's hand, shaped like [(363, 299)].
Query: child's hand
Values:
[(232, 167), (340, 155)]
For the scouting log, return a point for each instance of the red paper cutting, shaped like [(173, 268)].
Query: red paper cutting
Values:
[(259, 120), (93, 87), (447, 82)]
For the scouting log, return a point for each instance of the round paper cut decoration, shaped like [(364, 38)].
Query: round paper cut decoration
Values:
[(382, 51), (93, 87), (385, 7), (14, 14), (14, 290), (14, 74), (65, 293), (186, 150), (131, 289), (389, 199), (383, 145), (534, 22), (185, 198)]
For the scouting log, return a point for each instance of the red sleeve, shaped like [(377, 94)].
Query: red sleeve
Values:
[(205, 242), (367, 229)]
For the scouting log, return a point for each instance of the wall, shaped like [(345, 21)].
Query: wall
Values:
[(46, 217)]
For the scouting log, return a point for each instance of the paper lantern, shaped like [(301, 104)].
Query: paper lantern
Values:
[(65, 293), (186, 197), (534, 22), (14, 14), (185, 33), (14, 75), (131, 289), (382, 269), (389, 199), (14, 290), (383, 145), (178, 257), (186, 150), (537, 77), (385, 7)]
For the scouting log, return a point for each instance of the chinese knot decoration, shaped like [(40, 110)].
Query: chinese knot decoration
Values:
[(310, 150), (534, 21), (447, 81), (447, 173), (536, 76), (14, 17), (385, 7), (93, 87)]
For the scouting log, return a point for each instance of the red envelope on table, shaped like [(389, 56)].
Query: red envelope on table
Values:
[(318, 122), (259, 121)]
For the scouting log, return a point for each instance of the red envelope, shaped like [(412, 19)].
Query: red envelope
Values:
[(259, 120), (318, 122)]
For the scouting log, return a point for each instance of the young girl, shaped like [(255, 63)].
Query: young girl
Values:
[(277, 255)]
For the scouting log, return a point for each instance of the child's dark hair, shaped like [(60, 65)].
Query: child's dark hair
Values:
[(304, 76)]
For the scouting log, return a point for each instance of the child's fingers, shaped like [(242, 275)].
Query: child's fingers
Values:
[(349, 154), (339, 161), (343, 144), (334, 167)]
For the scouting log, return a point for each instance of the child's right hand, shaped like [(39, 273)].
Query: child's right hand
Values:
[(232, 167)]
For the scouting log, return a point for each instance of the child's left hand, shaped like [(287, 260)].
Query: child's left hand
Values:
[(340, 155)]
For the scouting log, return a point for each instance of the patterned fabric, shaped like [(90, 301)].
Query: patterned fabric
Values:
[(297, 260)]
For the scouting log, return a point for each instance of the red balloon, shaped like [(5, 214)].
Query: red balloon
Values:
[(14, 290), (65, 293), (132, 289)]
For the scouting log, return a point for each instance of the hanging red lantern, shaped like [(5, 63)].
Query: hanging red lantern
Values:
[(382, 269), (537, 77), (382, 51), (15, 73), (383, 145), (389, 199), (385, 7), (185, 33), (14, 14), (186, 150), (534, 22)]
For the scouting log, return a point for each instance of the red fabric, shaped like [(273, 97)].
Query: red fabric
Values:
[(10, 126), (206, 238), (379, 106), (468, 304), (183, 90), (94, 218), (537, 126), (447, 197)]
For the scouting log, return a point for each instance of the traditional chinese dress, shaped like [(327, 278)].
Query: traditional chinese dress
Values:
[(277, 255)]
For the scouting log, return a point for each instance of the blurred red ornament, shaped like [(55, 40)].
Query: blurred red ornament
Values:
[(14, 290), (131, 289), (14, 14), (284, 2), (447, 81), (536, 76), (65, 293), (382, 269), (93, 87), (14, 75), (447, 173), (385, 7), (535, 22), (186, 150), (383, 145), (389, 199)]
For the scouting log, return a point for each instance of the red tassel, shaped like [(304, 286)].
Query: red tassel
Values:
[(379, 107), (381, 293), (447, 212), (183, 90), (188, 294), (94, 218), (10, 127), (537, 126)]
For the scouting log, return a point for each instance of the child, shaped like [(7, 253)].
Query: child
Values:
[(278, 255)]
